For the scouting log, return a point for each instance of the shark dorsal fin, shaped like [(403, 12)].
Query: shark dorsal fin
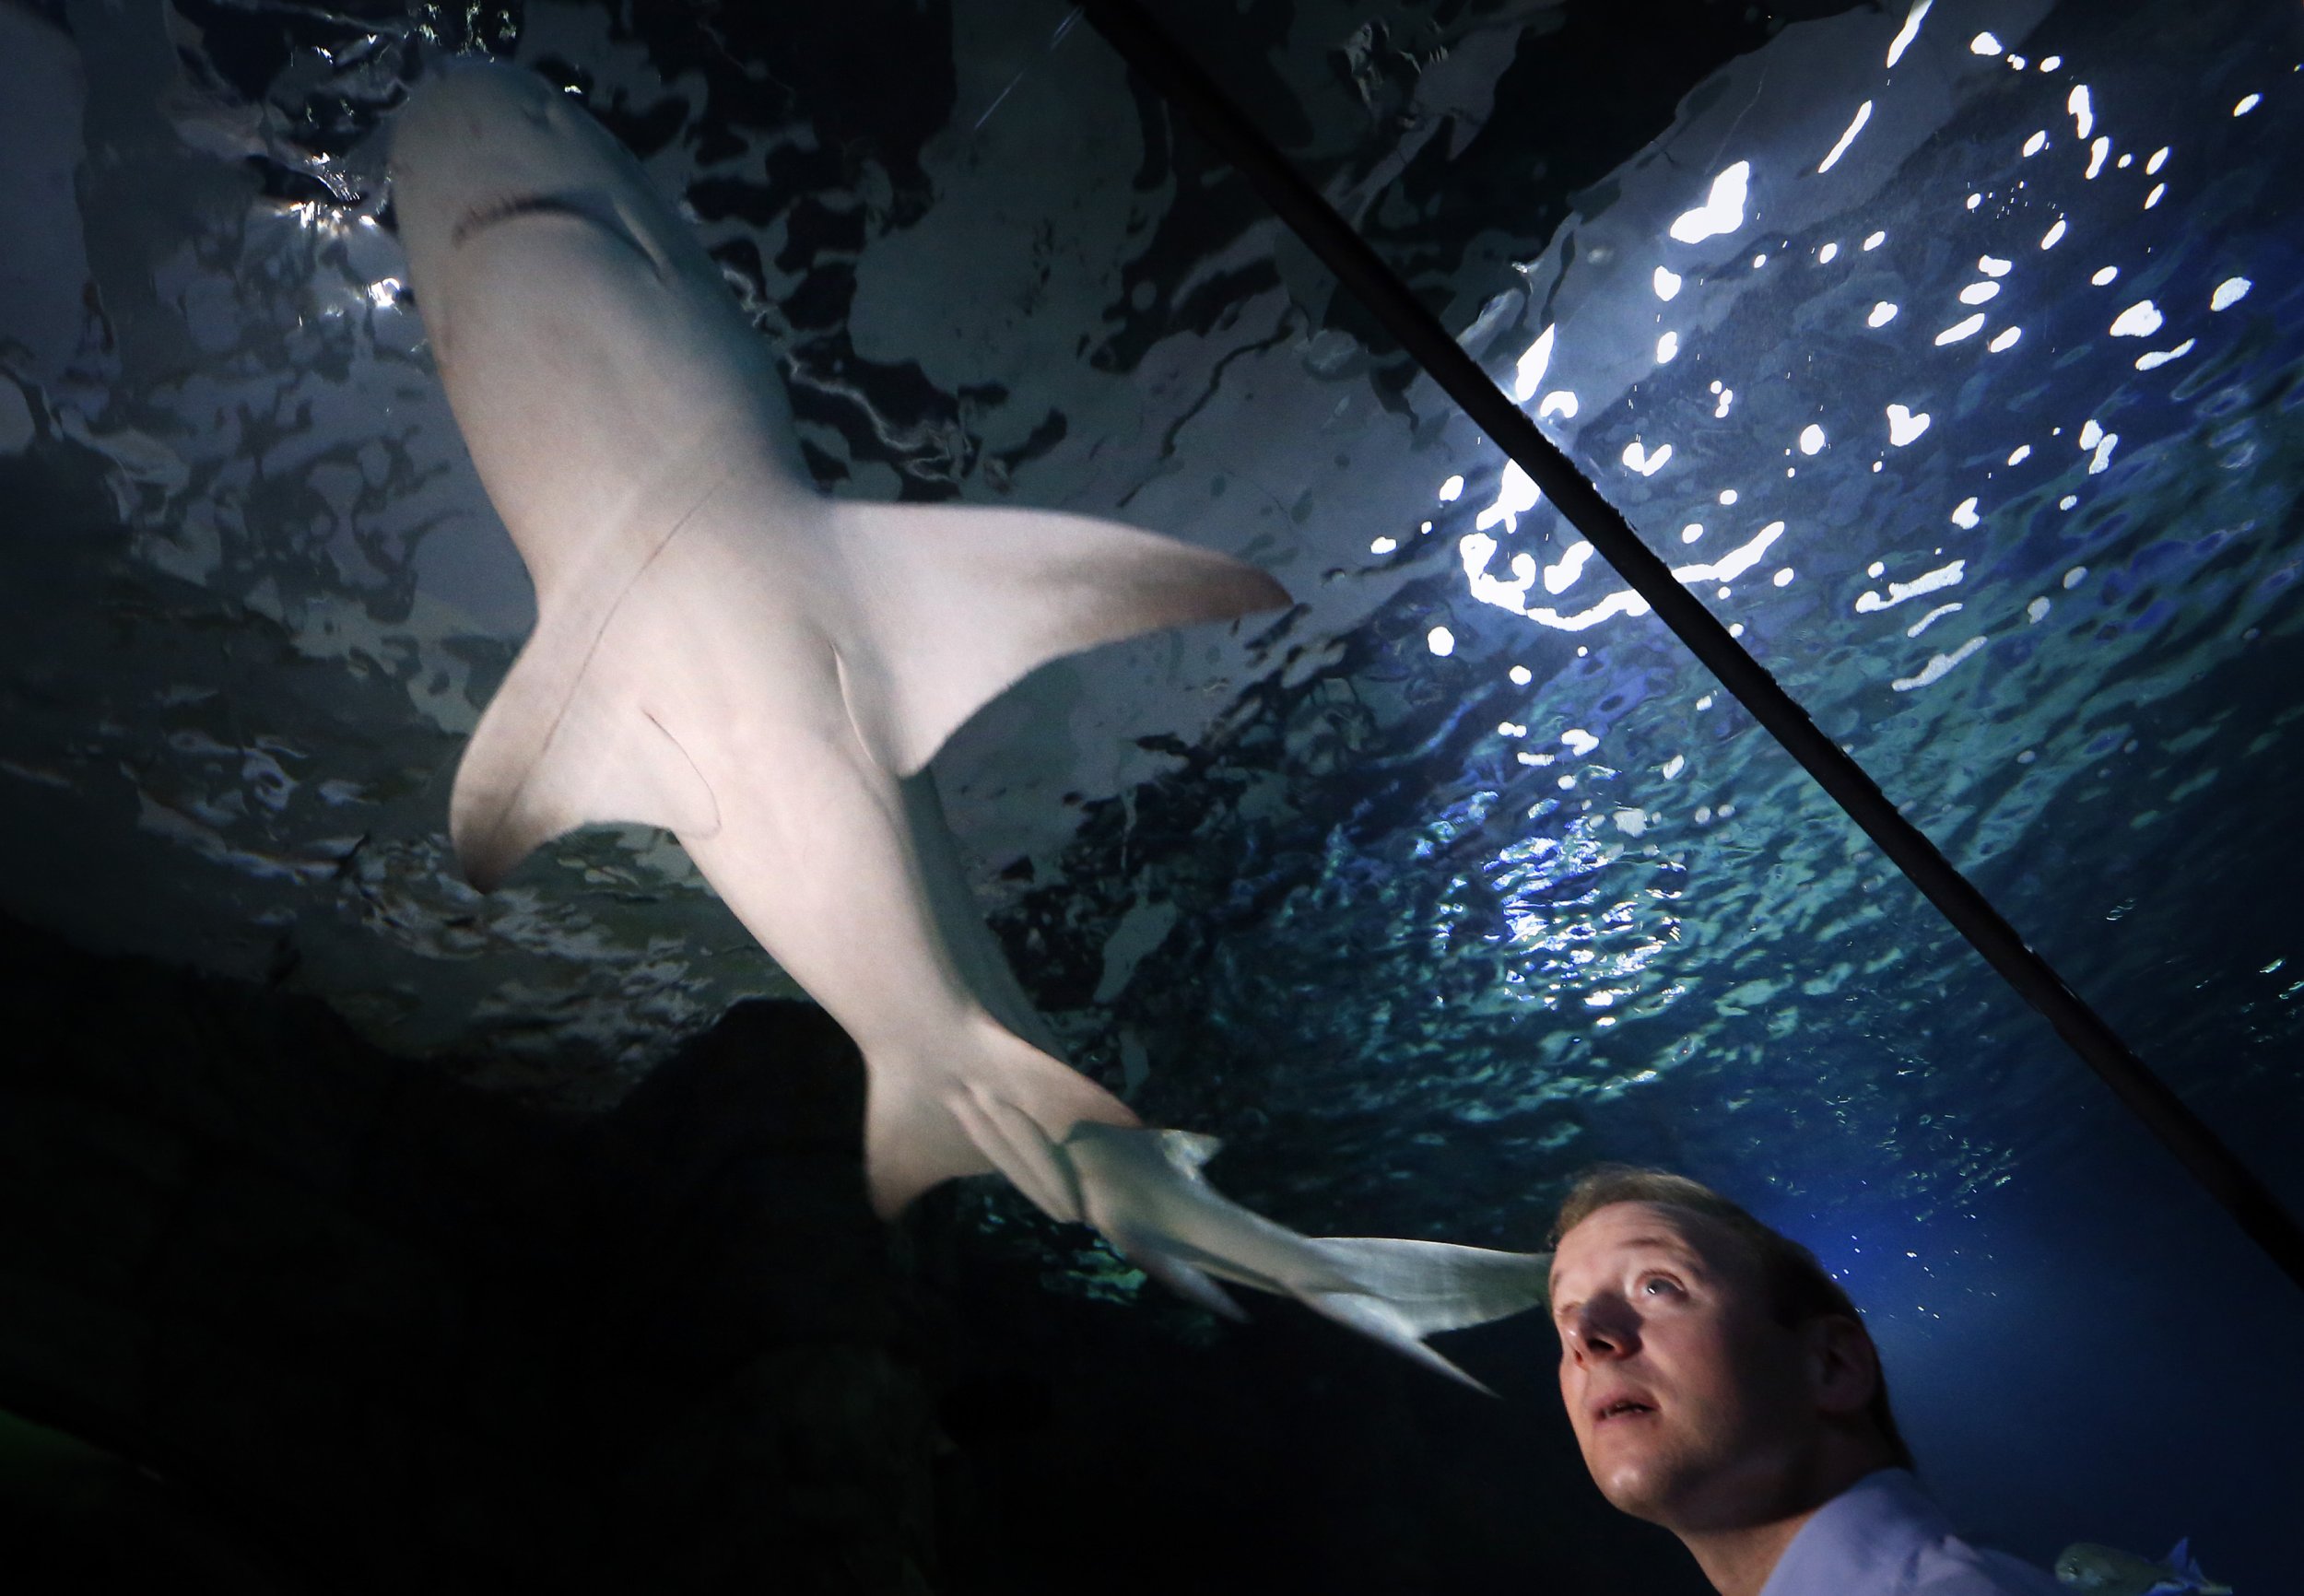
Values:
[(558, 749), (959, 603)]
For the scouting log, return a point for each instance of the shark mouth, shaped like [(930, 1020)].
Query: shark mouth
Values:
[(590, 209)]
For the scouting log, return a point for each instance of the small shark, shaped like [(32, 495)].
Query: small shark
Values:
[(2109, 1571), (722, 650)]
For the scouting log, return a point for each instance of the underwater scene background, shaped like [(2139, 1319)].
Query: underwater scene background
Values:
[(1951, 350)]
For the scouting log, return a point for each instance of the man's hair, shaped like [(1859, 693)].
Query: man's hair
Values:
[(1799, 1288)]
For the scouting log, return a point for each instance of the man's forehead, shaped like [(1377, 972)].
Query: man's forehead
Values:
[(1634, 1226)]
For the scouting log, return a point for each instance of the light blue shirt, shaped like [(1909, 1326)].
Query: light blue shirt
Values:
[(1885, 1536)]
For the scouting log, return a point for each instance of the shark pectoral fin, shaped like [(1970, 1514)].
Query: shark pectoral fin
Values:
[(554, 751), (958, 603)]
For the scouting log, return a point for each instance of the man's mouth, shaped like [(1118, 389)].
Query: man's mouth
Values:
[(1622, 1408)]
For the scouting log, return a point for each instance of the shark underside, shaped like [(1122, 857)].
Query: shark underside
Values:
[(722, 650)]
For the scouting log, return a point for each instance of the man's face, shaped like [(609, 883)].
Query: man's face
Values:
[(1690, 1402)]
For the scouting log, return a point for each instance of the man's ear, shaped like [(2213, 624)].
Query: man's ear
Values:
[(1843, 1365)]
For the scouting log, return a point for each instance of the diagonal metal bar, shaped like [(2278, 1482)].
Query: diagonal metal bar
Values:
[(1156, 58)]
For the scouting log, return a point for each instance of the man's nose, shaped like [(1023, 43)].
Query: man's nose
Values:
[(1602, 1329)]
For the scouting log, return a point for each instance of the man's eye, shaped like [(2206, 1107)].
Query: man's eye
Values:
[(1661, 1285)]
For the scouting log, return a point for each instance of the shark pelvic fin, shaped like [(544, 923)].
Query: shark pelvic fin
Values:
[(987, 1103), (959, 603), (555, 750)]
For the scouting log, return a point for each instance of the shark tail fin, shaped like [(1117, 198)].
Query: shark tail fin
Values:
[(992, 1101), (1144, 1190)]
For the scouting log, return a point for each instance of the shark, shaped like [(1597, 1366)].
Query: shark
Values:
[(723, 650), (2109, 1571)]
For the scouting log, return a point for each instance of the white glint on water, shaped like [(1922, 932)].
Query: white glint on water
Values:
[(1984, 44), (1451, 489), (2054, 236), (1727, 496), (2140, 320), (2037, 611), (1667, 348), (2091, 433), (1993, 266), (2230, 292), (1560, 403), (1693, 530), (1882, 314), (1974, 200), (1666, 282), (1646, 462), (1904, 426), (1577, 740), (1824, 256), (1782, 578), (1932, 582), (2004, 340), (2158, 357), (2097, 152), (2083, 114), (2036, 143), (2103, 457), (1559, 578), (1876, 570), (2023, 453), (1735, 562), (1910, 31), (1384, 546), (1441, 641), (1673, 765), (1962, 329), (1811, 439), (1873, 241), (2075, 577), (1521, 676), (1937, 668), (2247, 104), (1759, 260), (2104, 274), (1931, 618), (1515, 496), (2017, 61), (1529, 372), (2160, 160), (2067, 501), (1723, 210), (1964, 515), (2052, 63), (1727, 397), (2159, 190), (1979, 293), (1863, 114), (2125, 161)]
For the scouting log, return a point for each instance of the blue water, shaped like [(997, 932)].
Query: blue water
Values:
[(1463, 875)]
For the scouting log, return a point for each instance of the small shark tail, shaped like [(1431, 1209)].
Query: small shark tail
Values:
[(1144, 1190), (1082, 1157)]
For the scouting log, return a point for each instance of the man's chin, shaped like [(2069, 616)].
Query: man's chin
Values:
[(1643, 1486)]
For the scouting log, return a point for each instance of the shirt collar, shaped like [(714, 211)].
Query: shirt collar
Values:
[(1865, 1537)]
